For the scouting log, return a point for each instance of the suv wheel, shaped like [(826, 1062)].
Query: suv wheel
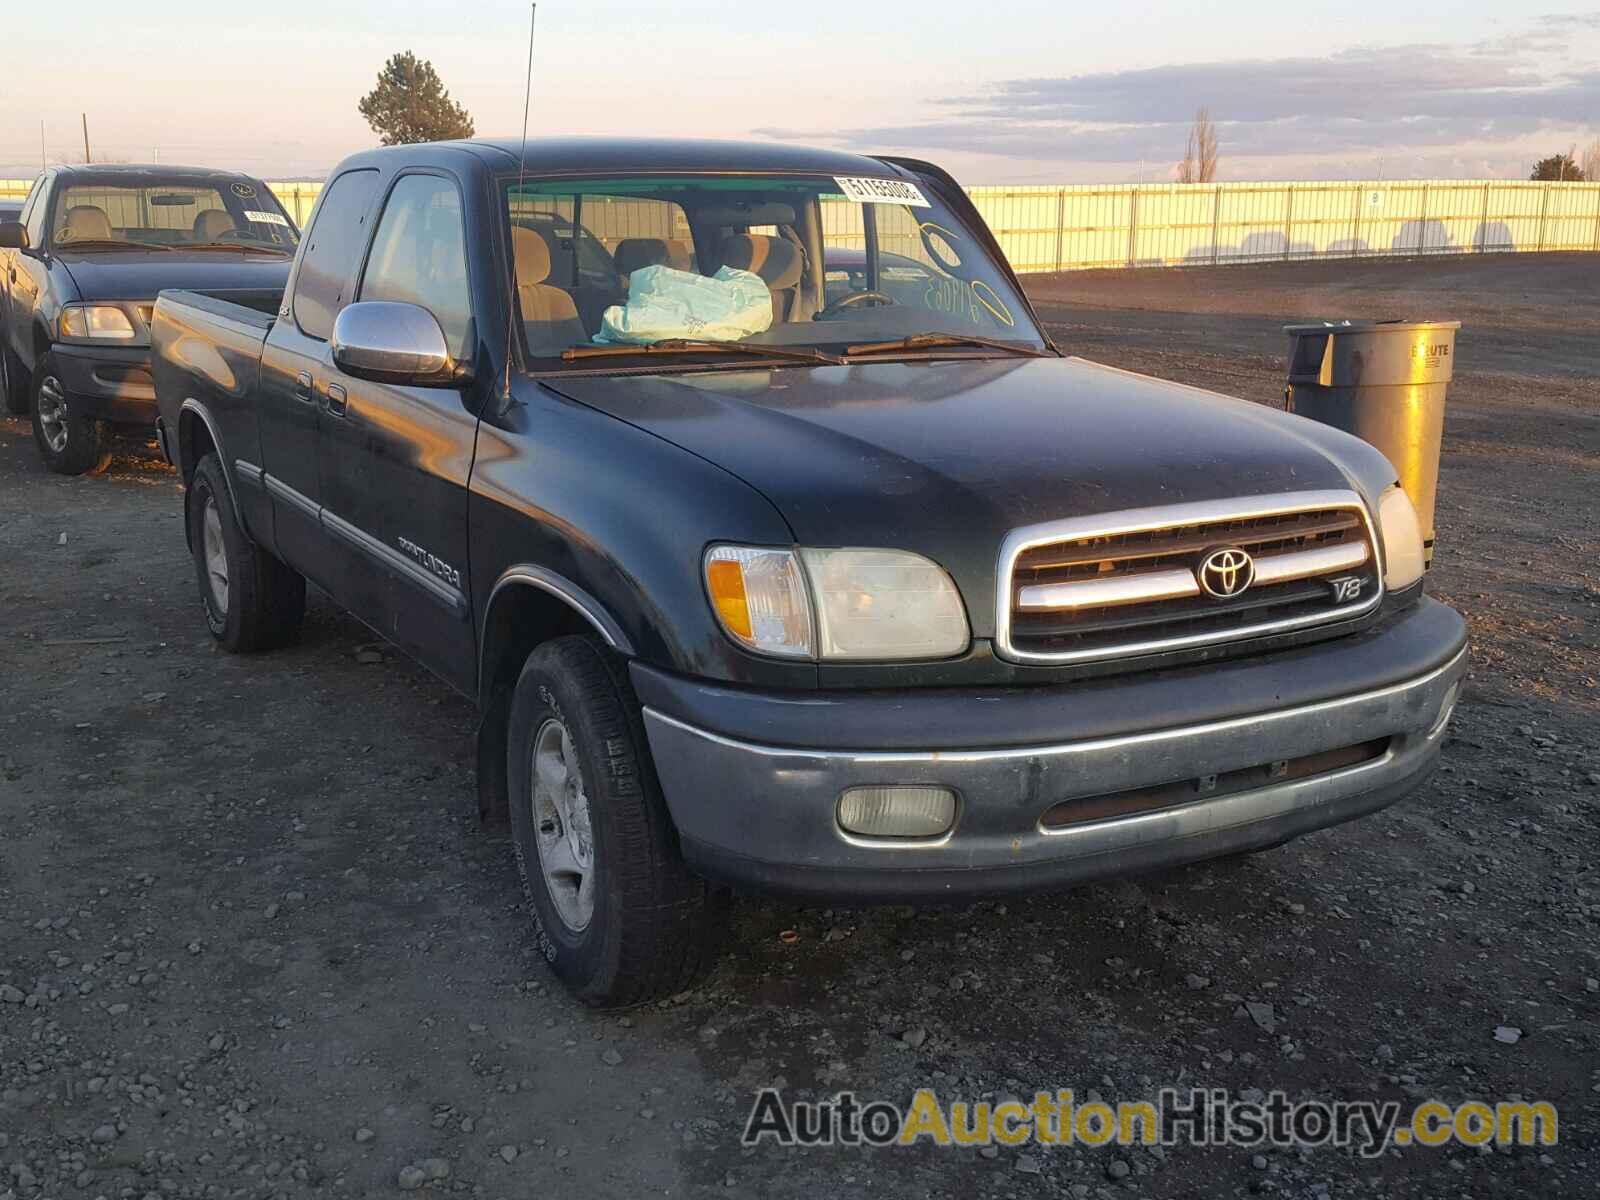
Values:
[(252, 600), (70, 444), (618, 915)]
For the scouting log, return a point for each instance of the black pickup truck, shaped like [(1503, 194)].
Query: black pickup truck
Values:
[(843, 584), (80, 267)]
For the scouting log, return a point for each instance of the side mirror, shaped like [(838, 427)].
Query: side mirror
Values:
[(13, 235), (394, 343)]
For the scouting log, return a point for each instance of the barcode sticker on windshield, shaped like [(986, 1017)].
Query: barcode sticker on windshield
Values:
[(881, 191), (264, 218)]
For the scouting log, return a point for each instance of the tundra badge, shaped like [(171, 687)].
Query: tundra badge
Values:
[(437, 565)]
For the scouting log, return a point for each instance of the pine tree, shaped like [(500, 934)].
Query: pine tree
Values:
[(1557, 167), (410, 104)]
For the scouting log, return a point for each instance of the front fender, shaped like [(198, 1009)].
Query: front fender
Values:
[(616, 520)]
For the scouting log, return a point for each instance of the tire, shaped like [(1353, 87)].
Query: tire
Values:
[(14, 387), (252, 601), (649, 927), (69, 443)]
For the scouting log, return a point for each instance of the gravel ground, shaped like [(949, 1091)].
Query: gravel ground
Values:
[(253, 942)]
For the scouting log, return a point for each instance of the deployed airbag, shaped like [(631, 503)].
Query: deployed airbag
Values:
[(664, 303)]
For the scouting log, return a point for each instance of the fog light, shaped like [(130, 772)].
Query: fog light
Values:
[(1447, 708), (897, 812)]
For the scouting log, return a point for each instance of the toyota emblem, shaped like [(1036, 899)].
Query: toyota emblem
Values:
[(1225, 572)]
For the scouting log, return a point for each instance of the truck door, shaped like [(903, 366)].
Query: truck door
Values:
[(395, 460), (296, 365)]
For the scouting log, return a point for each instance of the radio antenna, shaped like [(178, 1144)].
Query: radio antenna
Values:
[(522, 173)]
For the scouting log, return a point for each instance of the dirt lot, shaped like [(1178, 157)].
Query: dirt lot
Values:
[(254, 943)]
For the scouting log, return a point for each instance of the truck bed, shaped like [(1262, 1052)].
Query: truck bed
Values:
[(207, 347)]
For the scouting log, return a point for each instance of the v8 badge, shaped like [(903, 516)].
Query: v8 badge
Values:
[(1347, 588)]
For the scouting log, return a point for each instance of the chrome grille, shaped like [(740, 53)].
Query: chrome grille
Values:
[(1130, 583)]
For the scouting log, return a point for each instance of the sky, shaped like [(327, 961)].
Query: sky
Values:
[(1002, 91)]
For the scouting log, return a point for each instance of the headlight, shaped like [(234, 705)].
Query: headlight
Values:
[(96, 321), (836, 604), (1402, 539), (884, 604)]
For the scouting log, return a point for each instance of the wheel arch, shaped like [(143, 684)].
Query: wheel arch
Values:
[(527, 606), (197, 436)]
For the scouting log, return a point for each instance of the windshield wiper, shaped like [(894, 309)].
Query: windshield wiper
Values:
[(934, 341), (107, 244), (258, 247), (692, 346)]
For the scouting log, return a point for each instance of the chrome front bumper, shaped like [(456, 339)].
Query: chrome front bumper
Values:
[(765, 815)]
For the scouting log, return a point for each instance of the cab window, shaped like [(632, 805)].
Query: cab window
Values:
[(34, 209), (419, 255), (333, 245)]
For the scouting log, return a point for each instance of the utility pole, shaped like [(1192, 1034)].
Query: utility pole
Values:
[(42, 163), (86, 157)]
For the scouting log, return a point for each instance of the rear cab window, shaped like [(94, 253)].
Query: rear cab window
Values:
[(333, 245)]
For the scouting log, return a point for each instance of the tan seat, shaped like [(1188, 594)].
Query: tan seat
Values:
[(85, 222), (634, 254), (210, 225), (548, 313), (777, 262)]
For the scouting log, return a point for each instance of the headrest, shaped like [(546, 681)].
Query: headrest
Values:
[(531, 253), (680, 254), (212, 224), (775, 260), (86, 221), (635, 253)]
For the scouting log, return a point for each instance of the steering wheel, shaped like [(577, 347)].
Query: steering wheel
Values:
[(853, 300), (236, 235)]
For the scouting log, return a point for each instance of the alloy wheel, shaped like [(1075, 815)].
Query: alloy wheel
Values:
[(52, 402), (561, 825), (216, 555)]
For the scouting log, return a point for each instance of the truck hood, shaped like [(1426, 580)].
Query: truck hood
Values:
[(132, 275), (944, 458)]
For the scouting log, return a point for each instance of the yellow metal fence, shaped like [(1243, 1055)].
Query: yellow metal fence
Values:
[(1047, 228)]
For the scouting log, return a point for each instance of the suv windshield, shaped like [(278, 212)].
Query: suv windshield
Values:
[(176, 212), (781, 261)]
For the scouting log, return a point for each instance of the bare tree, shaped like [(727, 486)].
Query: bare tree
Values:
[(1591, 161), (1199, 163)]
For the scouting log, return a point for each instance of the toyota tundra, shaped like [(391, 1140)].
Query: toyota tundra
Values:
[(782, 548)]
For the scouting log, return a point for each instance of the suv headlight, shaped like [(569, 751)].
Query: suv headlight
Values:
[(93, 322), (836, 604), (1402, 539)]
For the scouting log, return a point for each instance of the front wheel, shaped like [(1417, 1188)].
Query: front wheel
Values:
[(69, 442), (618, 915), (252, 601)]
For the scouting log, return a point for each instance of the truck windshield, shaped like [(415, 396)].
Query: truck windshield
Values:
[(785, 260), (176, 212)]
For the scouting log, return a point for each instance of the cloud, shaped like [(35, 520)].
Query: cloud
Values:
[(1360, 101)]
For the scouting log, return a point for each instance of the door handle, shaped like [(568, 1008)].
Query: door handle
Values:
[(337, 401), (302, 386)]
